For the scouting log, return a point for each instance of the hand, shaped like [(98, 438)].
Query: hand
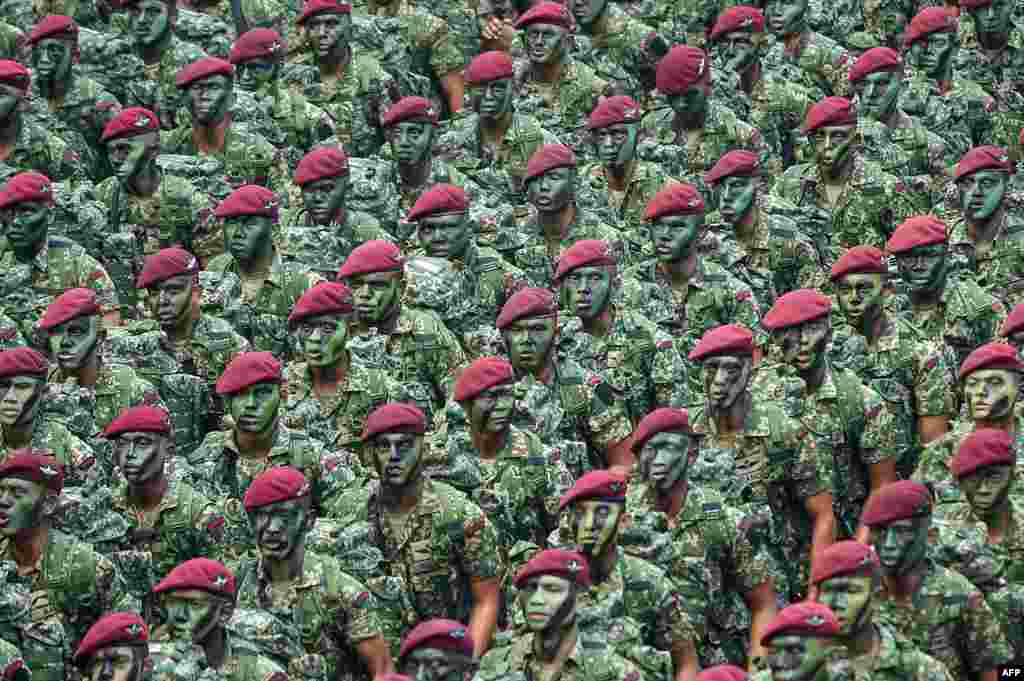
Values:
[(498, 32)]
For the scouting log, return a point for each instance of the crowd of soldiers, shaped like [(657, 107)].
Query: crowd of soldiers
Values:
[(511, 340)]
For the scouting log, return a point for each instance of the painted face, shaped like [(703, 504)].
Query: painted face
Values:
[(25, 224), (255, 74), (991, 393), (675, 236), (411, 141), (172, 304), (664, 459), (547, 602), (545, 43), (445, 236), (432, 664), (19, 400), (725, 378), (923, 268), (691, 104), (933, 54), (737, 50), (552, 191), (140, 456), (210, 99), (588, 290), (616, 144), (981, 193), (255, 407), (832, 147), (397, 457), (494, 98), (993, 18), (376, 295), (129, 156), (248, 236), (879, 93), (10, 97), (51, 59), (736, 196), (329, 33), (803, 345), (987, 488), (849, 597), (894, 23), (74, 341), (860, 296), (149, 21), (192, 614), (325, 198), (280, 528), (530, 342), (20, 505), (901, 545), (594, 524), (323, 339), (796, 658), (491, 411), (115, 663), (587, 12), (786, 17)]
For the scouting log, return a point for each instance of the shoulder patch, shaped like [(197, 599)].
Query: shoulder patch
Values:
[(712, 510)]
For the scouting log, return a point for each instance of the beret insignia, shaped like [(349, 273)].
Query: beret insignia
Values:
[(141, 122), (573, 565), (615, 487), (134, 630), (48, 471), (219, 581), (458, 634), (815, 620)]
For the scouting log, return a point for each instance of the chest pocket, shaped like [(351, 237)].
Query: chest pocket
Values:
[(44, 646), (899, 399), (939, 635), (429, 580)]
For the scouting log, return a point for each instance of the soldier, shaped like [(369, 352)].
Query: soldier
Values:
[(803, 55), (323, 231), (552, 589), (803, 639), (446, 552), (620, 48), (78, 584), (1013, 328), (681, 292), (39, 267), (753, 454), (638, 358), (411, 345), (437, 650), (115, 647), (951, 622), (846, 580), (12, 664), (251, 286), (909, 373), (734, 585), (942, 306), (762, 245)]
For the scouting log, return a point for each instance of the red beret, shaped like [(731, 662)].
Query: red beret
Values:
[(130, 122), (113, 629), (372, 256), (723, 672), (565, 564), (441, 199), (482, 374), (1015, 322), (547, 13), (440, 634), (527, 302), (929, 20), (23, 361), (248, 368), (493, 65), (730, 339), (984, 447), (72, 304), (738, 18), (395, 417), (843, 558), (585, 253), (259, 43), (796, 307), (281, 483), (250, 199), (596, 485), (983, 158), (974, 4), (141, 419), (859, 259), (164, 264), (410, 109), (13, 73), (549, 157), (920, 230), (26, 187), (675, 198), (34, 465), (204, 68), (736, 162), (199, 573), (613, 110), (874, 60), (680, 68), (897, 501), (991, 356), (830, 111), (321, 164), (660, 420), (314, 7), (807, 618), (327, 297), (54, 26)]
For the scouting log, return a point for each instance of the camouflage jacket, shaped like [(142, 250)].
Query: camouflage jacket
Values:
[(777, 109), (513, 658), (285, 118), (924, 151), (212, 34), (997, 265), (898, 659), (322, 248), (818, 63), (10, 335), (958, 111), (1009, 550), (13, 43), (614, 50), (561, 107), (77, 456), (43, 151), (999, 73), (691, 21), (437, 49), (153, 86), (117, 388)]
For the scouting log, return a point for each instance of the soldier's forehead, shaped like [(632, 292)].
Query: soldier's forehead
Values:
[(114, 651), (188, 595)]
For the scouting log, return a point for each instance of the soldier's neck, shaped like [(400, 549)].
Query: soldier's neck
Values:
[(402, 499), (211, 139), (151, 54), (550, 72), (985, 231), (29, 253), (993, 42), (54, 90), (385, 325), (340, 220), (600, 325), (901, 588), (146, 182), (10, 130), (865, 640), (555, 644), (492, 130), (287, 570), (333, 66), (873, 325), (149, 494), (555, 224), (618, 176), (256, 445), (1007, 423), (29, 546), (997, 519), (415, 174), (601, 565), (671, 502), (815, 376), (681, 271), (89, 373), (489, 444), (328, 379), (258, 266), (215, 647), (544, 373), (838, 175), (746, 228), (751, 77), (922, 298), (19, 436), (730, 421), (181, 330)]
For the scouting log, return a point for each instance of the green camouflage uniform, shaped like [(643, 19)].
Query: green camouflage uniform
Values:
[(898, 659), (996, 266), (927, 157), (213, 35), (614, 50), (152, 86), (77, 456), (938, 454), (117, 388), (40, 150), (13, 43), (322, 248), (174, 660), (79, 217), (10, 335), (562, 107), (819, 63), (261, 644), (955, 111), (107, 56), (777, 109), (285, 118), (692, 20), (1010, 549), (999, 74), (513, 658)]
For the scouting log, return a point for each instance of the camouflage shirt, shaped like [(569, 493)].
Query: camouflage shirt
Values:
[(898, 659), (289, 121), (43, 151), (322, 248), (436, 49), (954, 110), (117, 388), (561, 107), (514, 658), (816, 62), (997, 265), (153, 87), (77, 456), (613, 48)]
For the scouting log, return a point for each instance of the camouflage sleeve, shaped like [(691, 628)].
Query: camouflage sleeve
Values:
[(933, 466), (982, 639), (669, 373), (446, 358), (812, 473), (10, 335), (606, 421), (91, 274), (354, 606), (445, 55), (480, 549), (111, 590), (932, 395), (749, 566), (742, 308), (673, 623), (876, 440)]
